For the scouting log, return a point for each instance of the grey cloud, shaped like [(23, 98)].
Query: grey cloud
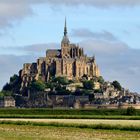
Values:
[(34, 49), (12, 11), (96, 3), (40, 48), (104, 47), (86, 33)]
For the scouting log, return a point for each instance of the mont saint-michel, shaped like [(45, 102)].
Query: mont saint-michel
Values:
[(66, 77), (70, 61), (69, 70)]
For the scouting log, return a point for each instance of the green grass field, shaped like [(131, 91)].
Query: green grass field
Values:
[(44, 111), (68, 114), (89, 122), (63, 124), (28, 132), (127, 125)]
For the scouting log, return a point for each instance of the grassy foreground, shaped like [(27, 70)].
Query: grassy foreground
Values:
[(120, 117), (29, 132), (68, 114), (84, 125), (45, 111)]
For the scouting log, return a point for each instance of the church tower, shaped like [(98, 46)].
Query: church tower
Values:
[(65, 43)]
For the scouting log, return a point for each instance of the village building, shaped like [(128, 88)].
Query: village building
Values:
[(7, 101)]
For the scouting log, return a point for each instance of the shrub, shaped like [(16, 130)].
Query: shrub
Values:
[(117, 85), (7, 87), (101, 80), (88, 84), (131, 111), (61, 80), (37, 86), (13, 85)]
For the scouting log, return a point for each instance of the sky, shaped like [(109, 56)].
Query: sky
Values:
[(108, 29)]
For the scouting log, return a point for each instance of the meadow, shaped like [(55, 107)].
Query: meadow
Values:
[(127, 125), (64, 124), (20, 130), (68, 113), (28, 132)]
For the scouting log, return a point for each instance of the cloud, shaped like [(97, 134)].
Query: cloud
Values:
[(104, 47), (39, 48), (12, 11), (96, 3), (86, 33), (34, 49)]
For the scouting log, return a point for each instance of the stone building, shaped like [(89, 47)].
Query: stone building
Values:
[(69, 61), (7, 101), (109, 90)]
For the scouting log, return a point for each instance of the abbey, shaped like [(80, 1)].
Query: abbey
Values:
[(69, 61)]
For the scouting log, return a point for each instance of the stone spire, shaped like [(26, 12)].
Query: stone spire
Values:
[(65, 28), (65, 39)]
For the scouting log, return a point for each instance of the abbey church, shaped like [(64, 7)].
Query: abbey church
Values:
[(69, 61)]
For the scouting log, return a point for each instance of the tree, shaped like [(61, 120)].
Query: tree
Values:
[(61, 80), (5, 93), (37, 86), (131, 111), (1, 94), (13, 85), (7, 87), (50, 85), (100, 80), (14, 78), (117, 85), (88, 84)]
